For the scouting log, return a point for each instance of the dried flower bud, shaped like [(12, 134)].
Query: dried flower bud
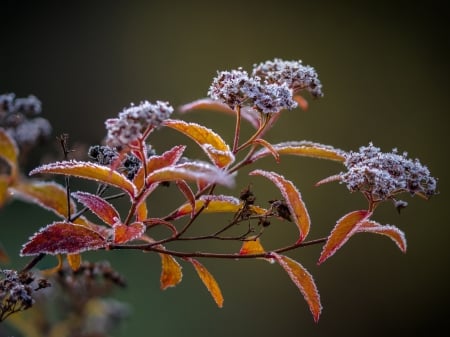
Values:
[(384, 175)]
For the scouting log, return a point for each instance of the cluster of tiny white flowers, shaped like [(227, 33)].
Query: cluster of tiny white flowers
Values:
[(133, 121), (384, 175), (293, 73)]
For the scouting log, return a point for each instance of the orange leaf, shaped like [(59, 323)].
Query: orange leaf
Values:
[(391, 232), (303, 148), (141, 211), (191, 171), (48, 195), (124, 233), (304, 282), (302, 102), (252, 247), (3, 256), (4, 184), (248, 114), (188, 194), (293, 200), (344, 229), (268, 147), (63, 238), (74, 261), (156, 162), (171, 273), (99, 206), (209, 281), (213, 145), (9, 151), (90, 171)]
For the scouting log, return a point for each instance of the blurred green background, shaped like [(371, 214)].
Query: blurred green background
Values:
[(385, 70)]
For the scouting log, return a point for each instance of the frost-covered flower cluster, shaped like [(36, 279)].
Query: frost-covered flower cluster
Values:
[(384, 175), (269, 89), (20, 118), (134, 121), (293, 73)]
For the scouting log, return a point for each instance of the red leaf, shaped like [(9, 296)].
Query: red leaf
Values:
[(187, 192), (304, 282), (156, 162), (124, 233), (209, 281), (90, 171), (293, 200), (302, 102), (391, 232), (48, 195), (191, 171), (213, 145), (99, 206), (344, 229), (171, 273), (63, 238)]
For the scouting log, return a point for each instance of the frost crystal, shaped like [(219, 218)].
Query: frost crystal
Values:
[(384, 175), (293, 73), (135, 120)]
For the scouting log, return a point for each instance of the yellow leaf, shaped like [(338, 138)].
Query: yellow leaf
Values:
[(74, 261), (209, 282), (9, 151), (48, 195), (305, 149), (344, 229), (171, 273), (252, 247), (213, 145), (304, 282), (90, 171), (4, 193)]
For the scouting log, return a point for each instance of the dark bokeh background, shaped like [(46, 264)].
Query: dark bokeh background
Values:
[(385, 73)]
